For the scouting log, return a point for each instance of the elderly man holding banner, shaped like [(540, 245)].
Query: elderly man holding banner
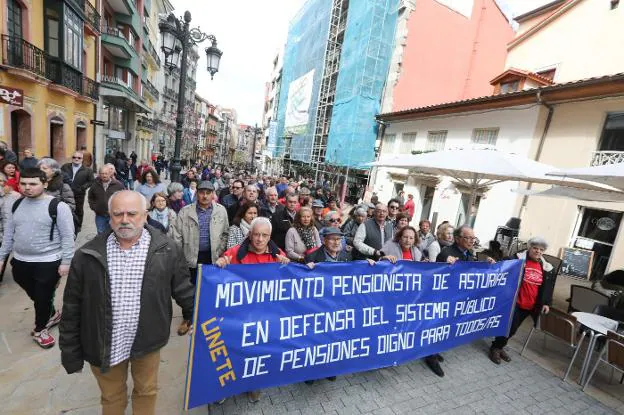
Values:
[(257, 248)]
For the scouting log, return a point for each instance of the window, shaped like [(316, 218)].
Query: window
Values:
[(14, 18), (507, 87), (117, 118), (73, 39), (613, 133), (53, 32), (388, 143), (436, 140), (548, 74), (407, 143), (486, 136)]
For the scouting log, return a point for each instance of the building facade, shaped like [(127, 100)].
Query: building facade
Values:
[(269, 116), (49, 54), (547, 105)]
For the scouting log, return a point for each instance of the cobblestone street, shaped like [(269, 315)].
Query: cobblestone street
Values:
[(32, 380)]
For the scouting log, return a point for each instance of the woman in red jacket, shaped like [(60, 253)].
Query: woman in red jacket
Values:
[(12, 173)]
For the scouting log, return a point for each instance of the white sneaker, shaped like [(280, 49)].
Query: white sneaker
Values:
[(44, 339)]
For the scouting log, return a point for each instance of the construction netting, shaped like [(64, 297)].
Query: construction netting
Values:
[(302, 73), (364, 64)]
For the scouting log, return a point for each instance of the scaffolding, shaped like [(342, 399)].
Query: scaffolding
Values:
[(337, 27)]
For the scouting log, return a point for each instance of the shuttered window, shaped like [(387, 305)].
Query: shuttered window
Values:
[(436, 140)]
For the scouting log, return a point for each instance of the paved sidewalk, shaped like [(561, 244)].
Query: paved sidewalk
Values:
[(32, 380)]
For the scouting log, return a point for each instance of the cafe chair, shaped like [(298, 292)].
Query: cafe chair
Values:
[(585, 299), (610, 312), (554, 261), (561, 326), (612, 355)]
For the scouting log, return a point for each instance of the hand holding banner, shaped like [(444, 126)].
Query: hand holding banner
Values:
[(258, 326)]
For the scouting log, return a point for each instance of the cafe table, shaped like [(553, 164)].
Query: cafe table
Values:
[(598, 326)]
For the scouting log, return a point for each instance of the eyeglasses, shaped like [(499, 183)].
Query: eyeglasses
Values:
[(77, 158), (335, 220), (469, 238), (393, 207)]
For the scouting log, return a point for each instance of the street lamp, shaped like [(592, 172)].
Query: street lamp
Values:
[(177, 38)]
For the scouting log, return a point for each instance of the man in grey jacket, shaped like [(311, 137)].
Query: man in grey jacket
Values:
[(373, 234), (201, 229), (42, 247)]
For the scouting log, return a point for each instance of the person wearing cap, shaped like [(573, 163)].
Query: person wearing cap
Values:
[(534, 296), (317, 210), (331, 249), (201, 229)]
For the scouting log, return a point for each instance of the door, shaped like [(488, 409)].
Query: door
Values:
[(463, 211), (427, 201), (597, 232)]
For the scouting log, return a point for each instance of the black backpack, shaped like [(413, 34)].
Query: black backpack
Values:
[(52, 211)]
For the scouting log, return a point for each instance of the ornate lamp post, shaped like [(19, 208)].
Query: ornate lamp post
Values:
[(177, 38)]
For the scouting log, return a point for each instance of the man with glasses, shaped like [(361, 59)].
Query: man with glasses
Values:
[(393, 210), (236, 192), (201, 229), (461, 250), (373, 234), (81, 179), (250, 194)]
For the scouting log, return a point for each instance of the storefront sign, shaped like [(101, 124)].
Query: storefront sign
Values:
[(11, 96)]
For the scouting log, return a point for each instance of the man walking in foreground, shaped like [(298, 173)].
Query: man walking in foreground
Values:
[(117, 307), (39, 229)]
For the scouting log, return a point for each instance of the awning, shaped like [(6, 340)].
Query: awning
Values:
[(122, 99)]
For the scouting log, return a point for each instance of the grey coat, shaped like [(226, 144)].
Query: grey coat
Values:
[(394, 249), (186, 232)]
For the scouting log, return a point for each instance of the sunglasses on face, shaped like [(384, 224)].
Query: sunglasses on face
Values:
[(335, 220)]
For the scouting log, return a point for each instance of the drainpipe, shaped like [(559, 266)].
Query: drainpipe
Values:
[(540, 147)]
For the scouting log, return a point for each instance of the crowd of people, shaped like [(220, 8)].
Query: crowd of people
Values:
[(151, 239)]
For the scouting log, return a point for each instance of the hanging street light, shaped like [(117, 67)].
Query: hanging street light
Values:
[(177, 39)]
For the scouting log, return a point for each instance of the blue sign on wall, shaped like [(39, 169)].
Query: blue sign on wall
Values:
[(258, 326)]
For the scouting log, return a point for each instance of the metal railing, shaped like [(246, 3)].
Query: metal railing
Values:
[(92, 15), (18, 53), (600, 158), (170, 93), (151, 89)]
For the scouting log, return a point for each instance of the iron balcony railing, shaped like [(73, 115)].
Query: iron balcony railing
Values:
[(600, 158), (170, 93), (18, 53), (92, 15), (151, 89)]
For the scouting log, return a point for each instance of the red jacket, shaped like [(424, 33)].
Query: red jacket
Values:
[(13, 182), (240, 254)]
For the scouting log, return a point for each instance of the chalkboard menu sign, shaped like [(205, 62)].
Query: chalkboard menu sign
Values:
[(576, 262)]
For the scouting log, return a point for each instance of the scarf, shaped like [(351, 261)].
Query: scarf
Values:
[(162, 217), (444, 243), (307, 236), (244, 227)]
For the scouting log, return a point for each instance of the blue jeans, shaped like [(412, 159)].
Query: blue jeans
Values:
[(129, 184), (101, 223)]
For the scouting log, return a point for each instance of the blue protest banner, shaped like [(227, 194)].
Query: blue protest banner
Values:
[(258, 326)]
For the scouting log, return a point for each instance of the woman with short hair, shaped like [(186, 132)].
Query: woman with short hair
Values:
[(56, 183), (176, 191), (161, 212), (444, 237)]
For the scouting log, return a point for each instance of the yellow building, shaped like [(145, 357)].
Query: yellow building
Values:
[(49, 52)]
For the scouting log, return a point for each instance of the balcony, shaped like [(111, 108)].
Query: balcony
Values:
[(600, 158), (151, 89), (117, 93), (116, 43), (147, 124), (151, 52), (171, 94), (35, 63)]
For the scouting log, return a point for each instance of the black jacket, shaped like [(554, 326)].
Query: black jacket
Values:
[(318, 255), (98, 197), (87, 323), (453, 250), (266, 212), (280, 222), (83, 180)]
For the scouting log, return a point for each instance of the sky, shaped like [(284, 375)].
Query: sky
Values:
[(250, 33)]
